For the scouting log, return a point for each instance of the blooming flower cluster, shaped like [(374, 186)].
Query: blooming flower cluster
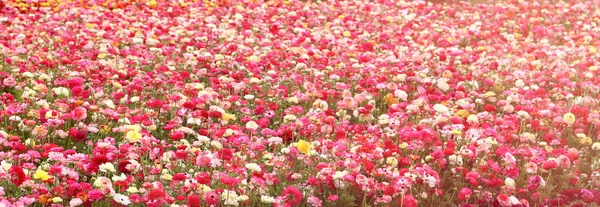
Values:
[(299, 103)]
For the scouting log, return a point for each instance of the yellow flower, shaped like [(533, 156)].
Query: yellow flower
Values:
[(346, 34), (133, 127), (228, 117), (57, 200), (166, 176), (391, 161), (403, 145), (303, 146), (105, 129), (389, 99), (462, 113), (456, 132), (569, 118), (152, 4), (133, 136), (42, 175)]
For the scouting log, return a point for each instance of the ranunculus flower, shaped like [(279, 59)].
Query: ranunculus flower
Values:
[(292, 195), (464, 194), (549, 164), (303, 146), (211, 198), (17, 175), (569, 118), (194, 201), (133, 136), (79, 114)]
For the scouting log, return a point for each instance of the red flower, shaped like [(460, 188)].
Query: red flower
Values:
[(179, 176), (95, 195), (74, 188), (156, 194), (368, 47), (203, 178), (17, 175), (177, 135), (155, 104), (464, 194), (123, 167), (77, 135), (225, 154), (96, 162), (409, 201), (229, 181), (489, 108), (550, 164), (193, 201), (293, 195)]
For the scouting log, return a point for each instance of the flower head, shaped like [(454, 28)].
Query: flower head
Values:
[(303, 146)]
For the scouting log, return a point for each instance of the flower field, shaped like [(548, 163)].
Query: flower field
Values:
[(299, 103)]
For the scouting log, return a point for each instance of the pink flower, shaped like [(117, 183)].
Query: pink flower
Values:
[(504, 200), (408, 201), (79, 114), (10, 82), (549, 164), (211, 198), (333, 198), (464, 194), (95, 195), (292, 195)]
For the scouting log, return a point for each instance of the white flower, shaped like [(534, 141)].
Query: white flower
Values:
[(514, 200), (186, 130), (509, 182), (202, 138), (249, 97), (270, 156), (252, 125), (216, 144), (44, 77), (401, 94), (455, 160), (75, 202), (267, 199), (121, 199), (473, 119), (132, 189), (107, 167), (243, 198), (519, 83), (430, 181), (384, 119), (230, 198), (339, 175), (253, 167), (442, 85), (289, 117), (61, 91), (440, 108), (27, 74), (194, 121), (596, 146), (5, 166), (109, 104), (275, 140), (119, 177)]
